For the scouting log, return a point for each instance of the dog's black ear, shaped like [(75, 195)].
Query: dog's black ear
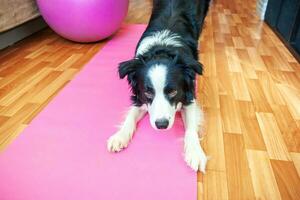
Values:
[(190, 67), (197, 67), (188, 62), (127, 67), (193, 64)]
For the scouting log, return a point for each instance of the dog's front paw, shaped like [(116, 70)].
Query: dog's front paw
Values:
[(194, 156), (117, 142)]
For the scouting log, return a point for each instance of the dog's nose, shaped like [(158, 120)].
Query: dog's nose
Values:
[(162, 123)]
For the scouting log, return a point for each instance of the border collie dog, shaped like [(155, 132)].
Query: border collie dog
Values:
[(162, 76)]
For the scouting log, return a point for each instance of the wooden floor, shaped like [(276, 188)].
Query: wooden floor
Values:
[(250, 92)]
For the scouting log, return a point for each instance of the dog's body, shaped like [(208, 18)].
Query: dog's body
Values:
[(162, 75)]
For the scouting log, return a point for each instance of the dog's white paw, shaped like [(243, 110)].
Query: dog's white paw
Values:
[(195, 157), (117, 142)]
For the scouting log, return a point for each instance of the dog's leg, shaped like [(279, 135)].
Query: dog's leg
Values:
[(194, 155), (121, 139)]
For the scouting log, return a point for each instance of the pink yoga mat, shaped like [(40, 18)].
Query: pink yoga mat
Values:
[(62, 154)]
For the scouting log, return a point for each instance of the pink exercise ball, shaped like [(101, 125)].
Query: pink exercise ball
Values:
[(84, 20)]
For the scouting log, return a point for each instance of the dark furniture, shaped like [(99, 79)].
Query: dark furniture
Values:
[(283, 16)]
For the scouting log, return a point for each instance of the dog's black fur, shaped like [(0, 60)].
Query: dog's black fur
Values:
[(185, 18)]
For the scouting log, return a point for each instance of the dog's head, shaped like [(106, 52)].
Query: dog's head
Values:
[(163, 81)]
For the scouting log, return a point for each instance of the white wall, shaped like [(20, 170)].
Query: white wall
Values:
[(261, 6)]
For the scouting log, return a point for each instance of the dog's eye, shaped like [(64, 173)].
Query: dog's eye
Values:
[(149, 95), (172, 93)]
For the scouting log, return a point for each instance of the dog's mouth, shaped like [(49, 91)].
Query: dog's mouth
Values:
[(162, 124), (160, 121)]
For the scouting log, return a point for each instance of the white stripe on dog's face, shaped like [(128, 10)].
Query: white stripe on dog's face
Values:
[(160, 109)]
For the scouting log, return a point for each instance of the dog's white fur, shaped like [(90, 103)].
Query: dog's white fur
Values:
[(121, 139), (160, 106), (192, 117), (164, 37)]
